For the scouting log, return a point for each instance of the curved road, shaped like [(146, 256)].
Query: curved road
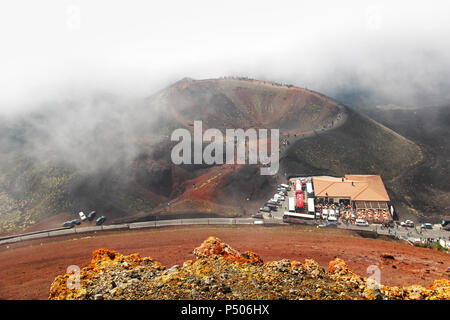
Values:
[(400, 233)]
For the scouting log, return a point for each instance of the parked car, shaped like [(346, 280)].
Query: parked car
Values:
[(68, 224), (407, 223), (361, 223), (388, 224), (331, 218), (82, 216), (257, 215), (76, 222), (100, 220), (332, 215), (426, 226), (91, 215)]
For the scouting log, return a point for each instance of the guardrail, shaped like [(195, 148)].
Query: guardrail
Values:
[(131, 226), (173, 222)]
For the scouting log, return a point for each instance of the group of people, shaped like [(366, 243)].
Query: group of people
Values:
[(373, 215), (321, 206), (348, 215), (284, 142), (343, 211)]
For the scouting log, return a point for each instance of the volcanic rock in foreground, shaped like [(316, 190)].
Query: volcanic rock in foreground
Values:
[(221, 272)]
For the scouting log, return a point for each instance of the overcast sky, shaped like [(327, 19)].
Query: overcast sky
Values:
[(51, 48)]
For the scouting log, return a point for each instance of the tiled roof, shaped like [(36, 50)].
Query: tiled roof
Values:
[(355, 187)]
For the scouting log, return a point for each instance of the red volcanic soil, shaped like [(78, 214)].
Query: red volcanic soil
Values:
[(203, 188), (28, 268)]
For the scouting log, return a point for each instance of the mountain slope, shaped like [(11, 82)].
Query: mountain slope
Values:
[(119, 163), (429, 128)]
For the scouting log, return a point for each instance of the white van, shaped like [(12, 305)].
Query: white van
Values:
[(361, 223), (291, 204), (332, 216), (82, 216), (324, 213), (309, 188)]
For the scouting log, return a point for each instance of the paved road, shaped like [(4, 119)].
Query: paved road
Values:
[(412, 233), (277, 218), (137, 225)]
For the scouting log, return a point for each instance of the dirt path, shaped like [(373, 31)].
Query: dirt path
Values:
[(28, 268)]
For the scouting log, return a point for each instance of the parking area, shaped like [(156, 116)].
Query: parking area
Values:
[(296, 202)]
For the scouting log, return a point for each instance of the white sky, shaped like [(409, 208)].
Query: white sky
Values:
[(49, 48)]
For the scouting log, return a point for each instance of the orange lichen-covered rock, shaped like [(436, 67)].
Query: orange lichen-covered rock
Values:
[(339, 270), (221, 272), (441, 289), (214, 246), (72, 285), (338, 266), (102, 258)]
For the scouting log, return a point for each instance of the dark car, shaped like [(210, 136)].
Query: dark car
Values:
[(257, 216), (68, 224), (100, 220), (76, 221), (91, 215), (388, 224)]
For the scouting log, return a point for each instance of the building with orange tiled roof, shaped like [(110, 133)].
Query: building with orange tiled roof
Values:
[(364, 191)]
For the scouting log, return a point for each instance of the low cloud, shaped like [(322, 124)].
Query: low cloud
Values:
[(84, 65)]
